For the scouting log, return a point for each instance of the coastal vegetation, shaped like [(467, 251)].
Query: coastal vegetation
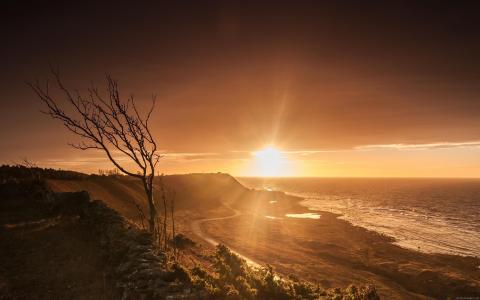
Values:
[(233, 278)]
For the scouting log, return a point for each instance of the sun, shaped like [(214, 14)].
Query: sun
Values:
[(269, 162)]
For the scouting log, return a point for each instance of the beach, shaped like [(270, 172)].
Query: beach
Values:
[(333, 252)]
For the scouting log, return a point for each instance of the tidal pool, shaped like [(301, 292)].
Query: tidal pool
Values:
[(304, 216)]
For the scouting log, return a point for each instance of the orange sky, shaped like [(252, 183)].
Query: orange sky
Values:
[(346, 89)]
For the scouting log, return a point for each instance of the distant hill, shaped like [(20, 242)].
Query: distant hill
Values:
[(198, 192), (8, 172), (191, 191)]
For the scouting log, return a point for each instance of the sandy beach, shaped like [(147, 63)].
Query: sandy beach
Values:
[(332, 252)]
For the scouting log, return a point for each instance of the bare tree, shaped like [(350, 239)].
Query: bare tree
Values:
[(111, 125)]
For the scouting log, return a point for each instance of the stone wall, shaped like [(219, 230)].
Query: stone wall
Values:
[(136, 267)]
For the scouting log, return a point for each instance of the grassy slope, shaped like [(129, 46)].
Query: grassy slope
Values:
[(198, 193)]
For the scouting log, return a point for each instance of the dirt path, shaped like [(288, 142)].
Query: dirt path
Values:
[(196, 226)]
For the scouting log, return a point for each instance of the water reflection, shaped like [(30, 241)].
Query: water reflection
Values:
[(304, 216)]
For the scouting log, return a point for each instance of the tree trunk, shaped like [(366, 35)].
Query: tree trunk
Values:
[(151, 208)]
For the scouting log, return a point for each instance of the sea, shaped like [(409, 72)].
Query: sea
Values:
[(428, 215)]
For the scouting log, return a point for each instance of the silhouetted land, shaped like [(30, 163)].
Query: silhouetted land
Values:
[(328, 252)]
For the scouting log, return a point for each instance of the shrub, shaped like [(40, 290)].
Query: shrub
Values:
[(234, 279), (182, 242)]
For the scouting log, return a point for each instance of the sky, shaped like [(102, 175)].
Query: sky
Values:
[(339, 89)]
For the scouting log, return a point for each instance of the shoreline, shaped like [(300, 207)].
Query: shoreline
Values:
[(334, 252), (395, 240), (196, 227)]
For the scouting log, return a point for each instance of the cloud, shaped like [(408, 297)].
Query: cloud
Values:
[(313, 152), (190, 156), (98, 158), (425, 146), (310, 154), (292, 152), (196, 156)]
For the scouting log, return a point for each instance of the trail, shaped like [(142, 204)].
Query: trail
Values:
[(197, 230)]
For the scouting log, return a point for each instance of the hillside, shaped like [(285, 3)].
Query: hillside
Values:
[(198, 193), (340, 254), (58, 245)]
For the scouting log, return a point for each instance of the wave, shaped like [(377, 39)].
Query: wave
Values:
[(413, 229)]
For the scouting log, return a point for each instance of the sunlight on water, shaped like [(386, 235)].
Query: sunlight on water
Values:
[(304, 216), (428, 215)]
